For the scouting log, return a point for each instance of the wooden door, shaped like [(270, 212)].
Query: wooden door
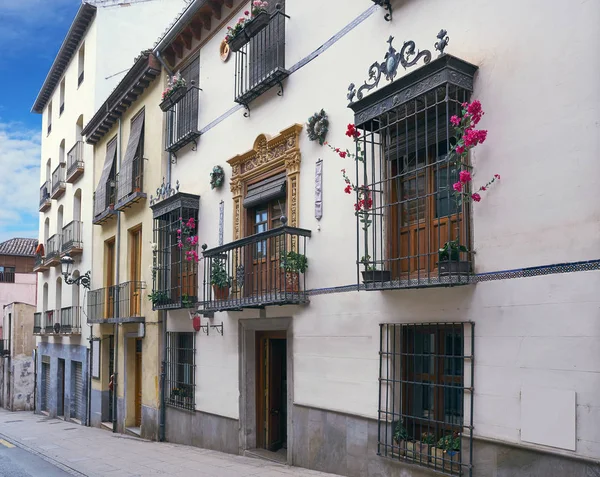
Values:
[(271, 391), (138, 382), (265, 273), (109, 252), (135, 273)]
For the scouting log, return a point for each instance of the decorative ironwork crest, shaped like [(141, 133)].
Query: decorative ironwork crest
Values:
[(163, 192), (386, 4), (389, 67), (442, 42)]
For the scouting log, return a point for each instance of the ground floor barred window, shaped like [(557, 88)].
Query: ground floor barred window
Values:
[(425, 396), (180, 383)]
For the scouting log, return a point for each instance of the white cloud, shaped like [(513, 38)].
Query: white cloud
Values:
[(19, 187)]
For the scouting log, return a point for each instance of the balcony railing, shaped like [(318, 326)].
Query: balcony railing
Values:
[(70, 320), (75, 163), (53, 250), (45, 200), (58, 181), (264, 269), (182, 121), (72, 242), (5, 347), (37, 323), (7, 276), (49, 318), (130, 184), (104, 202), (116, 304), (260, 64), (39, 264)]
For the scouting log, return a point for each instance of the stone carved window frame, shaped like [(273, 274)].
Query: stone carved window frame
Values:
[(268, 155)]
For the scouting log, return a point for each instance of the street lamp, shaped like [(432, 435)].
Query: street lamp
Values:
[(65, 264)]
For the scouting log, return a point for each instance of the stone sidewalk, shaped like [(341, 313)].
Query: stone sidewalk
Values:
[(95, 452)]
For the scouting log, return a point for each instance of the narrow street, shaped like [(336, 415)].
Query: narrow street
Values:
[(45, 447)]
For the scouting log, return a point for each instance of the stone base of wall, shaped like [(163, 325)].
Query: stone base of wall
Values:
[(347, 445), (150, 423), (202, 430)]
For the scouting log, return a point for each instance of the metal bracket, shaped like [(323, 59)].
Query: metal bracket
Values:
[(174, 158), (195, 148), (219, 328), (247, 112), (202, 327), (280, 92), (386, 4)]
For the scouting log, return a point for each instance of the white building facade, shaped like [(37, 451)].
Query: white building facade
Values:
[(98, 49), (479, 361)]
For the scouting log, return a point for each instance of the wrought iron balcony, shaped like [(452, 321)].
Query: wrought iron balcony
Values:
[(130, 184), (75, 164), (72, 242), (70, 320), (59, 186), (5, 347), (264, 269), (37, 323), (39, 264), (45, 200), (117, 304), (182, 121), (260, 63), (53, 251), (49, 318), (104, 203), (7, 276)]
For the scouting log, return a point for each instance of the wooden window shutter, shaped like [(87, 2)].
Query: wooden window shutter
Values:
[(101, 190), (126, 172)]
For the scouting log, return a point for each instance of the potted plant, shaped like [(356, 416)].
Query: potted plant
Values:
[(426, 446), (371, 274), (186, 301), (400, 436), (158, 297), (248, 26), (219, 279), (175, 90), (293, 264), (447, 452), (449, 259)]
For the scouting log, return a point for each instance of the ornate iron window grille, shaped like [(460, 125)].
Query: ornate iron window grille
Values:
[(180, 363), (405, 172), (426, 379), (260, 63), (175, 279)]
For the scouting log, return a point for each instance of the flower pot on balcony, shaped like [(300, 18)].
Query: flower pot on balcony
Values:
[(292, 282), (239, 40), (454, 267), (257, 24), (448, 460), (402, 447), (173, 98), (220, 293), (372, 276)]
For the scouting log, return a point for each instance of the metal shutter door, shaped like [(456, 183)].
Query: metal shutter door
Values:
[(78, 383), (45, 385)]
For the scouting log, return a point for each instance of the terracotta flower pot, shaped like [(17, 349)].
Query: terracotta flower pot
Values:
[(292, 282), (221, 293), (448, 460)]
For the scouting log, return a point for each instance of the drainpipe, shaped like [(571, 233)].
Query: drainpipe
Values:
[(159, 58), (116, 299), (90, 353)]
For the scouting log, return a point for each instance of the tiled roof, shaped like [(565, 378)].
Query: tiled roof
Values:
[(19, 246)]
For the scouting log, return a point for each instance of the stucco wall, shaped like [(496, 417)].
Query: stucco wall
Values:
[(539, 331), (22, 290)]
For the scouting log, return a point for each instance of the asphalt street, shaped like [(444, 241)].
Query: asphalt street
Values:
[(17, 462)]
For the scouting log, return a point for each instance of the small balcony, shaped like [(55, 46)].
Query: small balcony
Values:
[(39, 264), (72, 242), (116, 304), (104, 203), (45, 200), (52, 258), (260, 64), (75, 163), (59, 186), (5, 347), (264, 269), (49, 317), (38, 323), (70, 320), (130, 184), (182, 121)]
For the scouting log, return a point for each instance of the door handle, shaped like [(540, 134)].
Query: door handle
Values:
[(275, 412)]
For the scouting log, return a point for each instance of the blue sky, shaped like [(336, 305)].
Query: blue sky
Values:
[(30, 34)]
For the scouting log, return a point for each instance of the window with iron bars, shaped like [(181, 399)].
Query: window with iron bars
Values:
[(180, 387), (175, 278), (426, 395), (410, 212)]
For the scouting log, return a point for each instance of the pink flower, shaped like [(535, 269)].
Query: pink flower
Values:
[(343, 154), (343, 171), (474, 110), (348, 189), (246, 13), (455, 120), (472, 137), (460, 149), (476, 197), (483, 188), (457, 186), (179, 231), (180, 245), (464, 176), (352, 131), (497, 176)]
